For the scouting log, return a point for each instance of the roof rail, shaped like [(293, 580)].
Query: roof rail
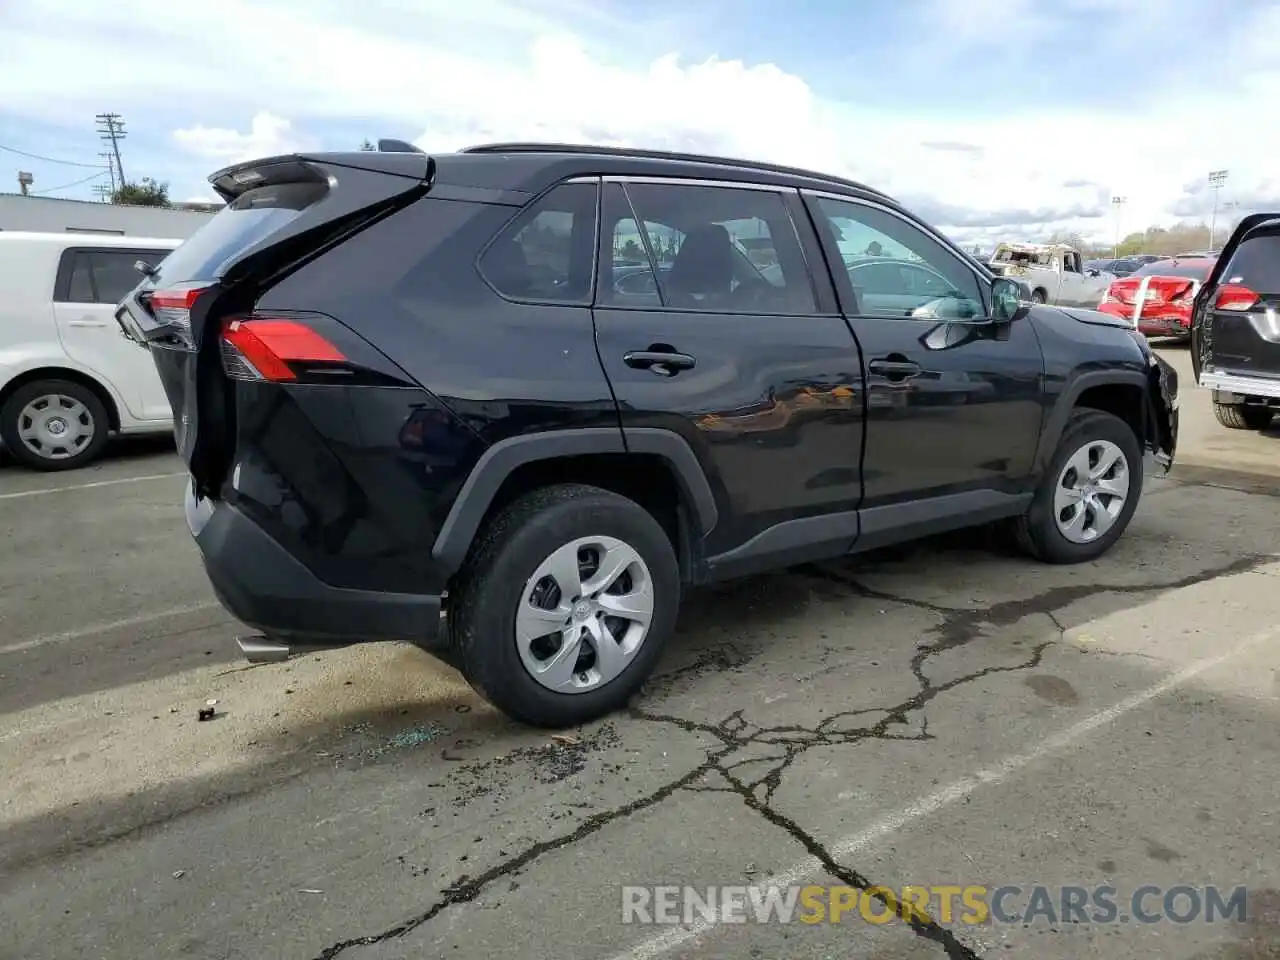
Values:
[(592, 150)]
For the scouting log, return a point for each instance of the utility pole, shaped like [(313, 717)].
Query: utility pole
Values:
[(111, 130), (1216, 179), (1117, 203), (111, 169)]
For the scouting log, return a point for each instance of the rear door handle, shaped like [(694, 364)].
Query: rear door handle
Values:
[(659, 361), (894, 368)]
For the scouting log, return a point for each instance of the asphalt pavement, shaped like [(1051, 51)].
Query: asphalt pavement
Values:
[(945, 714)]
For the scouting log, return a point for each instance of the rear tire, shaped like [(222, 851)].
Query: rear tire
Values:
[(53, 425), (496, 605), (1236, 416), (1046, 531), (1039, 296)]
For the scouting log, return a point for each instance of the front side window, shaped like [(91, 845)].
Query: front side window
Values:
[(706, 248), (546, 254), (911, 275)]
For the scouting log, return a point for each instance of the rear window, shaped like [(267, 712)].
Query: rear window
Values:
[(1191, 269), (1256, 264), (249, 219)]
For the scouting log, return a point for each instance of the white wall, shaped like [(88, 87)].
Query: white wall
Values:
[(47, 215)]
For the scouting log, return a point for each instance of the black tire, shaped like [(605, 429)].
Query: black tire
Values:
[(1236, 416), (13, 409), (484, 598), (1039, 296), (1037, 531)]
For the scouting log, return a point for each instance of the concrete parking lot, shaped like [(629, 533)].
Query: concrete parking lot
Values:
[(946, 714)]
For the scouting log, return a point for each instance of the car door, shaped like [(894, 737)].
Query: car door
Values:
[(954, 402), (742, 353), (1234, 329), (91, 281)]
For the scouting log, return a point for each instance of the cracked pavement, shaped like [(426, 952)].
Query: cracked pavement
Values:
[(944, 713)]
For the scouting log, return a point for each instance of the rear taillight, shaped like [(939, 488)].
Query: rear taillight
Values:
[(172, 308), (1234, 296), (267, 348), (1110, 295)]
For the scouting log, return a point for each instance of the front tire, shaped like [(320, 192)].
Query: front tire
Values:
[(564, 605), (52, 425), (1039, 296), (1236, 416), (1088, 495)]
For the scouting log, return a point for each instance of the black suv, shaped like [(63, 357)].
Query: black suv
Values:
[(1235, 334), (424, 398)]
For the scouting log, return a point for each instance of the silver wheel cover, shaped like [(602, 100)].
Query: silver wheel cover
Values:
[(55, 426), (584, 614), (1091, 491)]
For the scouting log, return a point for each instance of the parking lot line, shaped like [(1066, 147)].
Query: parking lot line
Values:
[(89, 486), (97, 628), (925, 806)]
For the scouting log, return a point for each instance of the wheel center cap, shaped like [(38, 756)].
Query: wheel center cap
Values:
[(57, 426), (581, 610)]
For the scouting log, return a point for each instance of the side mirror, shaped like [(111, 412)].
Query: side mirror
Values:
[(1007, 299), (1095, 273)]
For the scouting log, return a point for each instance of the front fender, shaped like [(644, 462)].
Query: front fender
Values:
[(1158, 415)]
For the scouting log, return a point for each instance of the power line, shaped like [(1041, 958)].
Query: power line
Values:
[(36, 156), (111, 130), (68, 186)]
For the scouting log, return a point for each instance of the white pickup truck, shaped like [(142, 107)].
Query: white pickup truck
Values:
[(1053, 272)]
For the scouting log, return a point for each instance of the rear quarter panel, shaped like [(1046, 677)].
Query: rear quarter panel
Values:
[(503, 368)]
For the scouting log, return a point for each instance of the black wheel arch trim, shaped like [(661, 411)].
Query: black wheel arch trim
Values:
[(1056, 422), (494, 466)]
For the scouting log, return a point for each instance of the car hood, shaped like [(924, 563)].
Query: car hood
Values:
[(1095, 318)]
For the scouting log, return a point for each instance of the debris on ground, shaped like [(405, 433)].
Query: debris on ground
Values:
[(567, 740), (178, 874), (304, 890), (205, 713)]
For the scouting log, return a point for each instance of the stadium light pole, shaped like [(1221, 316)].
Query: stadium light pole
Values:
[(1216, 179), (1117, 203)]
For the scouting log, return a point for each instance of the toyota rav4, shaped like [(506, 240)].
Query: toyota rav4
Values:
[(426, 399)]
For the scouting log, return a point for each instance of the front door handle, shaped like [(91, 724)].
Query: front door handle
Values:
[(659, 361), (86, 322), (894, 368)]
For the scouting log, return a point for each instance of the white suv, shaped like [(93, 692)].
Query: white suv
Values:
[(68, 376)]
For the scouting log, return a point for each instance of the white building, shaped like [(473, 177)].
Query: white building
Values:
[(51, 215)]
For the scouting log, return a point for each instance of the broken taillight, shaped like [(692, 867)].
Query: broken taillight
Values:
[(268, 348), (1234, 296)]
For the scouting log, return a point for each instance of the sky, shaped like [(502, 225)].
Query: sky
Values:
[(993, 119)]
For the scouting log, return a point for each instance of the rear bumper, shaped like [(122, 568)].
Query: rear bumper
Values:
[(1240, 386), (260, 583), (1154, 321)]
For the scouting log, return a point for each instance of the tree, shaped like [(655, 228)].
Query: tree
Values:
[(147, 193), (368, 146)]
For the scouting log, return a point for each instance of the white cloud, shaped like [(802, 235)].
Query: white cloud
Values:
[(503, 69), (268, 136)]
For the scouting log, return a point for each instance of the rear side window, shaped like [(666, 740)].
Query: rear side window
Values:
[(1256, 265), (546, 254), (713, 249), (246, 221), (102, 276)]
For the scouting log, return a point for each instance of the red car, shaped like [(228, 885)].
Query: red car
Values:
[(1159, 295)]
